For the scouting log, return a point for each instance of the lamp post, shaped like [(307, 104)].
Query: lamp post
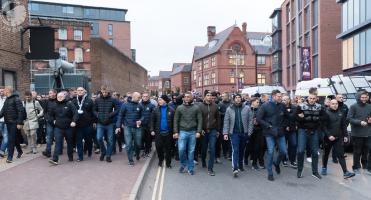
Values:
[(236, 62)]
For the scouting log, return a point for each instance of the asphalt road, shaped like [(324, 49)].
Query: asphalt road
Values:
[(251, 184)]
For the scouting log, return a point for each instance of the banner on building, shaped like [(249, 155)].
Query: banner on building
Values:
[(240, 84), (306, 64)]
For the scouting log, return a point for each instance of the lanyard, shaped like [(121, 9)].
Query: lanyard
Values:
[(80, 103)]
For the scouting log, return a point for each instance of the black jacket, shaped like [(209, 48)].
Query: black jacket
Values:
[(290, 120), (87, 117), (155, 122), (48, 105), (210, 117), (63, 113), (13, 111), (105, 110), (271, 116), (335, 123), (314, 116), (222, 106)]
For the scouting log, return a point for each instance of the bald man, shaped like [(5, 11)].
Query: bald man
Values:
[(131, 117)]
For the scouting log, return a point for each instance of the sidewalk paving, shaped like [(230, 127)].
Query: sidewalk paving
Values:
[(32, 177)]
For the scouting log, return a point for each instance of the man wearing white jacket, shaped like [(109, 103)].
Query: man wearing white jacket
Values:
[(34, 111)]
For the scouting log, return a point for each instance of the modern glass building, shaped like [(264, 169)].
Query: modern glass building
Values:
[(356, 36), (276, 46)]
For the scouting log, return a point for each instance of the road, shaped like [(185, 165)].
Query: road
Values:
[(253, 184)]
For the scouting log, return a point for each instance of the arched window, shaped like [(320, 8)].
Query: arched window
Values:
[(79, 56), (236, 56)]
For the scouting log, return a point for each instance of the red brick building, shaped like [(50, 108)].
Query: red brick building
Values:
[(152, 87), (114, 69), (312, 24), (164, 84), (181, 77), (229, 57), (14, 67)]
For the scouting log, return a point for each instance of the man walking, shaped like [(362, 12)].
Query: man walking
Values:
[(3, 129), (210, 131), (48, 105), (148, 107), (187, 127), (131, 116), (271, 116), (238, 126)]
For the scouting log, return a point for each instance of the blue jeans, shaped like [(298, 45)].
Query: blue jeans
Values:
[(238, 143), (49, 137), (292, 142), (313, 139), (84, 133), (100, 133), (187, 140), (60, 134), (4, 132), (271, 143), (133, 135), (208, 143)]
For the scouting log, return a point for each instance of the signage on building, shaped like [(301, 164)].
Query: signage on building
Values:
[(240, 85), (306, 64)]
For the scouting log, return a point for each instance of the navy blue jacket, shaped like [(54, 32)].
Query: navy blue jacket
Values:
[(130, 112), (271, 116), (148, 108)]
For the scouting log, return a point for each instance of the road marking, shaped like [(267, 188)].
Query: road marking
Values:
[(156, 184), (161, 183)]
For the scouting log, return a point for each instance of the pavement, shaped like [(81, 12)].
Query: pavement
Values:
[(169, 184), (33, 178)]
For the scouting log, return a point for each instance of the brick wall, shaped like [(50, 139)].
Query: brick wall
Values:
[(112, 68), (177, 81), (12, 57)]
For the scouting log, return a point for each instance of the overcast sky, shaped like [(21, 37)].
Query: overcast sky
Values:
[(166, 31)]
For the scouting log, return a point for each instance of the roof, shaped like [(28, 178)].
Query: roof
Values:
[(274, 12), (257, 35), (78, 3), (164, 74), (181, 67), (262, 50), (154, 78), (214, 45)]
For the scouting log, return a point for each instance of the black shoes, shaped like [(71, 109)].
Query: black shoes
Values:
[(137, 156), (270, 178), (277, 167), (211, 172), (160, 163), (101, 158), (53, 162), (108, 159), (316, 175), (300, 174), (46, 154), (20, 154)]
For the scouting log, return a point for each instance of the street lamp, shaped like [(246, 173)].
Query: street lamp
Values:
[(236, 62)]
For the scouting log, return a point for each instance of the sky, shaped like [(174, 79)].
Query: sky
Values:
[(164, 32)]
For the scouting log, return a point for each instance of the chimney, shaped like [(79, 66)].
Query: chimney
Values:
[(244, 28), (211, 30)]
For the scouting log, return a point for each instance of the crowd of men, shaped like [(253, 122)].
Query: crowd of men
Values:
[(191, 129)]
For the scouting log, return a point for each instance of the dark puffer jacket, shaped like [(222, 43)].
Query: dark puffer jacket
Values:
[(63, 113), (210, 117), (13, 111), (47, 106), (87, 117), (105, 110), (129, 114), (148, 108), (155, 124)]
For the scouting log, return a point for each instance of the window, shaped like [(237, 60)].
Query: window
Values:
[(213, 81), (94, 28), (315, 41), (33, 6), (232, 76), (306, 19), (293, 8), (233, 58), (62, 34), (110, 29), (9, 79), (368, 45), (261, 60), (345, 16), (363, 47), (356, 12), (288, 13), (368, 9), (356, 55), (77, 34), (186, 80), (110, 41), (363, 11), (242, 77), (300, 23), (206, 63), (315, 13), (194, 75), (213, 61), (261, 79), (288, 76), (79, 56), (167, 84), (350, 14), (67, 10), (63, 53), (293, 53), (288, 34), (199, 81), (199, 65), (293, 30), (315, 67), (300, 4), (206, 79), (306, 40)]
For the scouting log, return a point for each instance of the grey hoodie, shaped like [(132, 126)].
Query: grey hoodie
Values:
[(359, 112)]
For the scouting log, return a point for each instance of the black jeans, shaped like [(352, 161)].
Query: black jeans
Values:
[(163, 146), (59, 135), (147, 139), (13, 140), (359, 145), (257, 140), (338, 150)]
